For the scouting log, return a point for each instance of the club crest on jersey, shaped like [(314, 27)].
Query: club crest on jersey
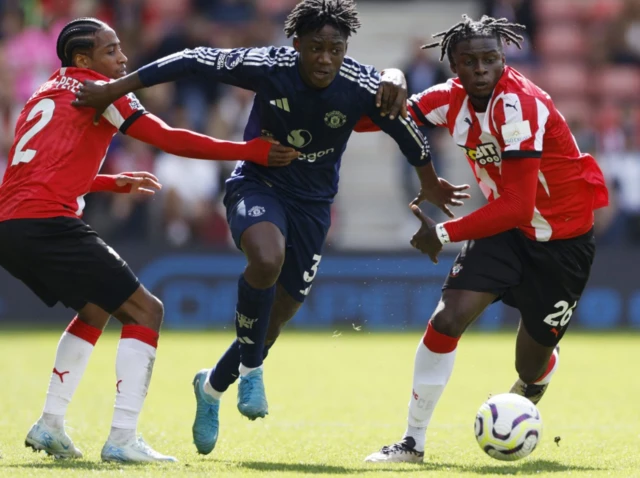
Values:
[(299, 138), (485, 153), (256, 211), (335, 119)]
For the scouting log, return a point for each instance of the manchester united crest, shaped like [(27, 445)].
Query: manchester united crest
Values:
[(335, 119)]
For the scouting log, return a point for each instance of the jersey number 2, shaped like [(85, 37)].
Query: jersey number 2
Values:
[(46, 107)]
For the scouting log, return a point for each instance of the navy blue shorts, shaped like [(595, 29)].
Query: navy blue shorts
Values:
[(303, 224)]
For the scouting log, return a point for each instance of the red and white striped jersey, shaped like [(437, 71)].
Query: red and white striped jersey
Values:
[(58, 151), (521, 121)]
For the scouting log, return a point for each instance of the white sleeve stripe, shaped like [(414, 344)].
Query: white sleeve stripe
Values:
[(366, 86), (257, 55), (365, 74), (362, 77), (253, 63), (414, 127), (417, 135), (359, 72), (437, 116), (543, 116), (173, 57), (512, 108), (113, 116)]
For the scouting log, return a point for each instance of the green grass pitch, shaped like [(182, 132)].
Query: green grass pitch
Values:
[(334, 398)]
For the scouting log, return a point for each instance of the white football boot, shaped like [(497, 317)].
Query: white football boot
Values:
[(53, 441), (133, 451)]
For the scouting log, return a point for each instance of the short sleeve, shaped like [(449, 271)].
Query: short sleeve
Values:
[(520, 122), (124, 111), (430, 107)]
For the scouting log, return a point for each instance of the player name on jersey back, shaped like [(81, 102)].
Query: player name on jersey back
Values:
[(58, 150)]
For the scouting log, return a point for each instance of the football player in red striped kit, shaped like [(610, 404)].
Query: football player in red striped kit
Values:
[(54, 161), (530, 246)]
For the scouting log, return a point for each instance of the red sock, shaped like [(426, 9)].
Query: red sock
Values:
[(437, 342)]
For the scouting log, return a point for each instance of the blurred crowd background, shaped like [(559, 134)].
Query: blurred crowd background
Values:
[(585, 53)]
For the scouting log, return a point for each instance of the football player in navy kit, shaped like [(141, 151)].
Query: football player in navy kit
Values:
[(310, 97)]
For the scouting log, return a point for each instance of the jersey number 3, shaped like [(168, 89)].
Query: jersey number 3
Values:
[(46, 107)]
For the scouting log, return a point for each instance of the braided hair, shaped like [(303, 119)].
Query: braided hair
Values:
[(312, 15), (78, 34), (486, 27)]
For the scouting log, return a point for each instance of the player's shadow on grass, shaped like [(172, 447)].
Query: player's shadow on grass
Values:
[(526, 467), (316, 468), (533, 466), (53, 464)]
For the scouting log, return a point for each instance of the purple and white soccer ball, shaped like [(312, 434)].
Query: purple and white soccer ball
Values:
[(508, 427)]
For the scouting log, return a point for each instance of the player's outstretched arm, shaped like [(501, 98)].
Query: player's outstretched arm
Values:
[(181, 142), (242, 67)]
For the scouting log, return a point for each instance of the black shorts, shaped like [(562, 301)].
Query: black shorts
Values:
[(543, 280), (62, 259)]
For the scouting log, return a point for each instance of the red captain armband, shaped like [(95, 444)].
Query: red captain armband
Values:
[(107, 182)]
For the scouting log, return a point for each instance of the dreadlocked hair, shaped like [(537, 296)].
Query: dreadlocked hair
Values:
[(312, 15), (77, 34), (498, 28)]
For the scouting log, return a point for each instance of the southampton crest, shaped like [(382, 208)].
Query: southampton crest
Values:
[(335, 119)]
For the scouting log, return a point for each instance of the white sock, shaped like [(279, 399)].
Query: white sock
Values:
[(245, 370), (72, 356), (208, 388), (134, 366), (430, 376), (554, 363)]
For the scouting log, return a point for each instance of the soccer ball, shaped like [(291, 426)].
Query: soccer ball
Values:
[(508, 427)]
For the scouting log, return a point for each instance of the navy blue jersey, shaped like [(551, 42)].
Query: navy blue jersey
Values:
[(317, 123)]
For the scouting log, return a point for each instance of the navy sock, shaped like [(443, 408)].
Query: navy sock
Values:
[(252, 321), (226, 370)]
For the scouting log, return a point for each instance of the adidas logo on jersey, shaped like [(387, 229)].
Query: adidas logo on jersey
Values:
[(282, 103)]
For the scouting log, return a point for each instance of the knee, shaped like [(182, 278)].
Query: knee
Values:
[(264, 267), (449, 320), (151, 314)]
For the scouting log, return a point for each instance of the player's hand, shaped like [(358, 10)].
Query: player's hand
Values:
[(279, 155), (94, 94), (141, 182), (426, 239), (392, 94), (444, 196)]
